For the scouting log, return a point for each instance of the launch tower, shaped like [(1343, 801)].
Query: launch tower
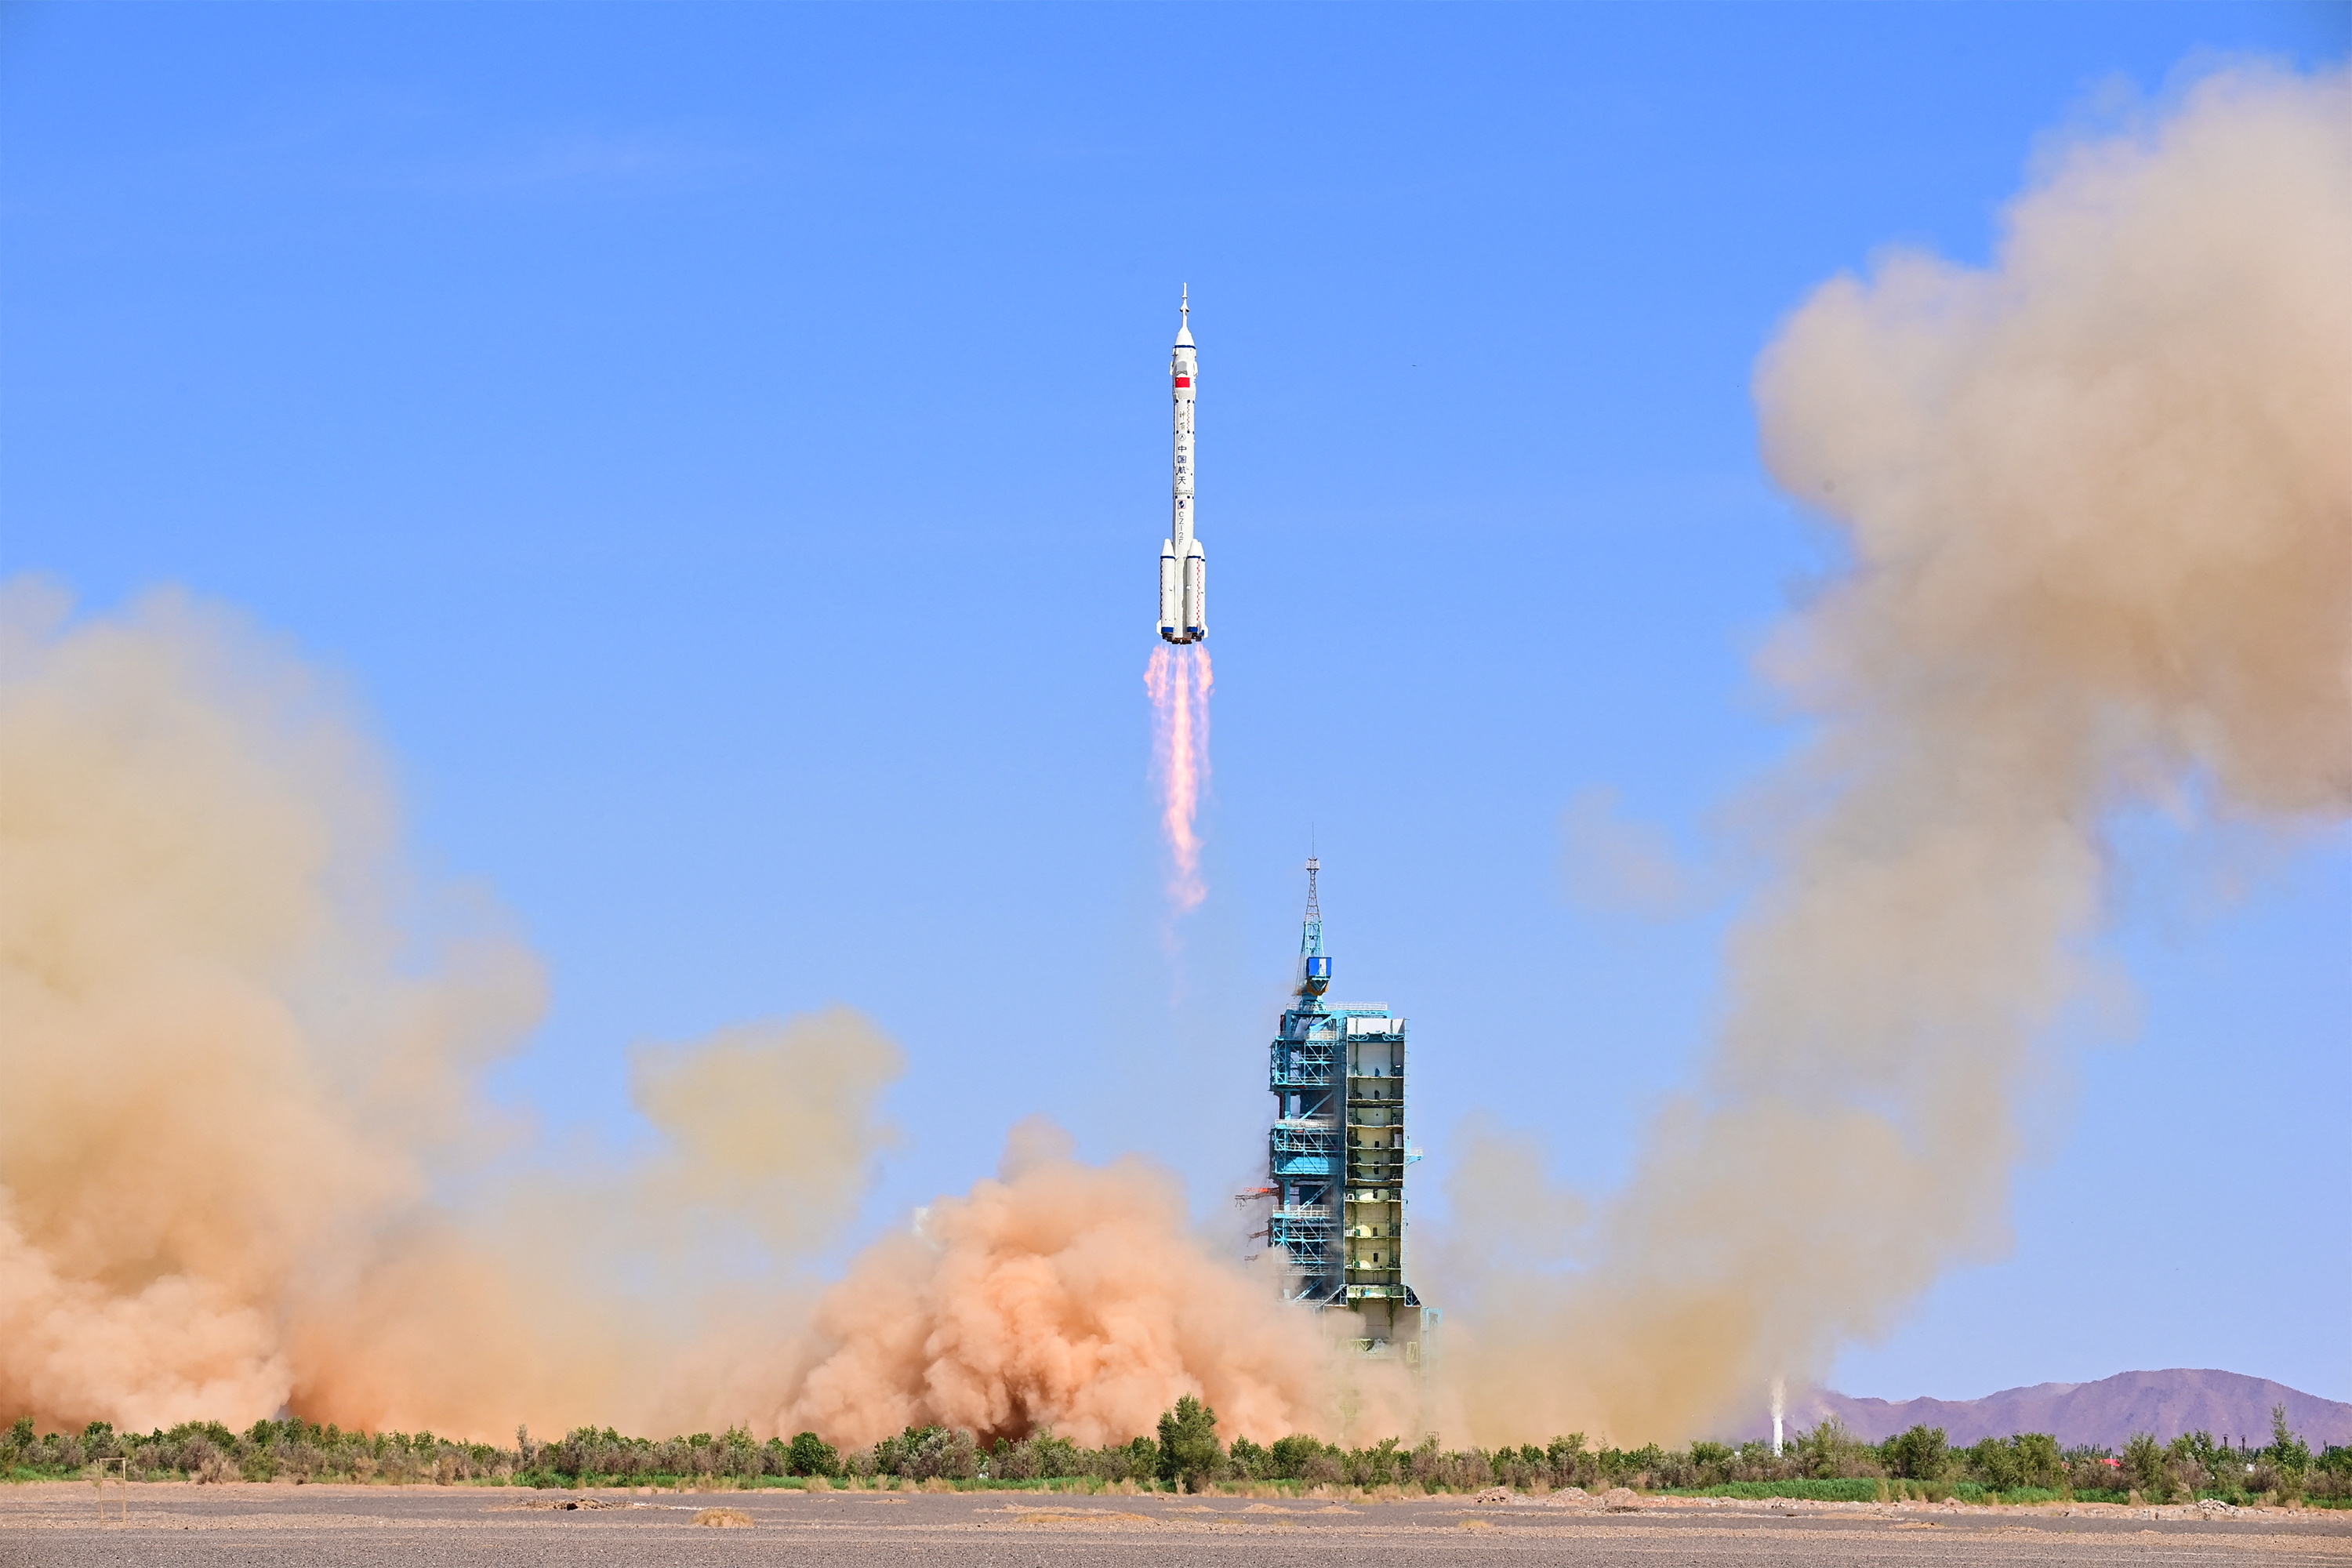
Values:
[(1337, 1156)]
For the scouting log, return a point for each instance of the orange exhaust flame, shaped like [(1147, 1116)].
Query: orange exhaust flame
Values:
[(1179, 680)]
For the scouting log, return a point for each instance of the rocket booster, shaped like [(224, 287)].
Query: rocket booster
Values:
[(1184, 570)]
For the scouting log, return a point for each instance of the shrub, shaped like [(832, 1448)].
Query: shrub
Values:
[(1041, 1455), (2145, 1469), (1710, 1463), (926, 1453), (2090, 1469), (2038, 1464), (1377, 1466), (740, 1455), (1831, 1452), (1138, 1461), (1326, 1466), (891, 1454), (1919, 1455), (810, 1455), (1189, 1453), (1468, 1471), (1286, 1460), (1850, 1488)]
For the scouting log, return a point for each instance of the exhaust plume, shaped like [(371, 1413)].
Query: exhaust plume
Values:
[(241, 1108), (1068, 1296), (1179, 680), (2098, 500), (245, 1166)]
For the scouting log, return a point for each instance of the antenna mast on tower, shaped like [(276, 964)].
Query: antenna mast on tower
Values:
[(1314, 968)]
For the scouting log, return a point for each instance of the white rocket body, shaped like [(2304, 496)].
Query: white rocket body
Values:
[(1171, 594), (1184, 570)]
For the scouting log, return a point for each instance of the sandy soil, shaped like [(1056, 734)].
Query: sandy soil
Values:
[(56, 1526)]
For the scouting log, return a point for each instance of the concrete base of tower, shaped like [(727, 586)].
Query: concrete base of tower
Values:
[(1385, 1328)]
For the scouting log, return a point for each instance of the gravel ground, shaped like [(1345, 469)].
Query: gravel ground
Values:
[(55, 1526)]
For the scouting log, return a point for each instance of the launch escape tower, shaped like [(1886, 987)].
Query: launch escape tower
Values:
[(1337, 1155)]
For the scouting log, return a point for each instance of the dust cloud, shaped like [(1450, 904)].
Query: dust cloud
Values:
[(1070, 1297), (245, 1162), (2098, 503), (1614, 864)]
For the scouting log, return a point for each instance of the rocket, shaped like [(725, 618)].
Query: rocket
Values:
[(1184, 570)]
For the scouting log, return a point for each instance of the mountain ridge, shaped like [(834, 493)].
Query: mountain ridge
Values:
[(2104, 1413)]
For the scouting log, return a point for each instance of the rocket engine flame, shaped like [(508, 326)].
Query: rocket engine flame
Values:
[(1178, 679)]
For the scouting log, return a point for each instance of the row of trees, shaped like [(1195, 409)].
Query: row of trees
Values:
[(1187, 1452), (2025, 1463), (2195, 1464), (306, 1451)]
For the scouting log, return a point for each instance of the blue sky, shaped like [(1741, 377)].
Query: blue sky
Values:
[(725, 451)]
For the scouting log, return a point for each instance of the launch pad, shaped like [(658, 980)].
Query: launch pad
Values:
[(1337, 1154)]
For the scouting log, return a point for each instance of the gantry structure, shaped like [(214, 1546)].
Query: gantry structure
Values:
[(1337, 1155)]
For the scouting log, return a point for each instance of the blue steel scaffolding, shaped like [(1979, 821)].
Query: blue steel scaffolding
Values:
[(1337, 1155)]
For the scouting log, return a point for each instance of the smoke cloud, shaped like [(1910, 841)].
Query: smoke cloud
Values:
[(246, 1166), (2099, 506), (1610, 863), (773, 1122), (242, 1149), (2098, 500), (1069, 1296)]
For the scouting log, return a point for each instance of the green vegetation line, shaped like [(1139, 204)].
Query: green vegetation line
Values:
[(1828, 1463)]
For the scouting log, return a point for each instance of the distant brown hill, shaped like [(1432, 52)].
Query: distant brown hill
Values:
[(2105, 1413)]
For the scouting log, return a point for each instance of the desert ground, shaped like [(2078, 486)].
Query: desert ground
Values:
[(58, 1526)]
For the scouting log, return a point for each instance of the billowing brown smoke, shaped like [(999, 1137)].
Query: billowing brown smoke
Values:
[(2100, 505), (1067, 1297), (2099, 501), (231, 1091), (243, 1158)]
